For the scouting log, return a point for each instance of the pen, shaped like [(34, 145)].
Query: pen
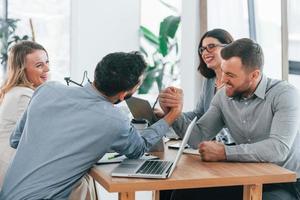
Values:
[(114, 156)]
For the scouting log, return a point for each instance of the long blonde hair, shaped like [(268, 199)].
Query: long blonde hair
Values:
[(16, 66)]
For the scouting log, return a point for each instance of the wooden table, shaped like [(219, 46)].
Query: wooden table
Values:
[(191, 172)]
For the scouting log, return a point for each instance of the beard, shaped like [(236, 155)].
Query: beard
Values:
[(238, 92)]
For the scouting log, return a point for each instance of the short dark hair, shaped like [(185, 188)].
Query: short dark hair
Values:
[(118, 72), (223, 37), (250, 53)]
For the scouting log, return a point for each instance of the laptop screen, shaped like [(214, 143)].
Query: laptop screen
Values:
[(183, 143), (148, 169), (141, 109)]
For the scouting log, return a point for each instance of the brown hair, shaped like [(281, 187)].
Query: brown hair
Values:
[(16, 66), (250, 53)]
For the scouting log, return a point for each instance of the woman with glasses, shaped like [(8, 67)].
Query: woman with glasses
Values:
[(209, 49), (27, 69)]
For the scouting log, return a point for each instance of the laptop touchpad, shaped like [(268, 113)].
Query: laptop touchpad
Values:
[(130, 166), (127, 168)]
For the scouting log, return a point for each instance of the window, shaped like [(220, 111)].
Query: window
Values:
[(51, 23), (251, 19), (268, 26), (294, 42), (231, 15)]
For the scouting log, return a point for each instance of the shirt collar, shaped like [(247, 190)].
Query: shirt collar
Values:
[(262, 87), (90, 89), (260, 91)]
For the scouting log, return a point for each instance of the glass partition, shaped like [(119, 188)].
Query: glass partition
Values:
[(294, 42)]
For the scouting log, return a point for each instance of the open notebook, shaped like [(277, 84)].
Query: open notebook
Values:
[(152, 168)]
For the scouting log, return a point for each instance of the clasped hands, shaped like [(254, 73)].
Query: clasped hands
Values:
[(171, 100)]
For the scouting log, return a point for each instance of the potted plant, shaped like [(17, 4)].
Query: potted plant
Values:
[(164, 44), (8, 37)]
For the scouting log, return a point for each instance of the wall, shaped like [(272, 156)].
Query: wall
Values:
[(190, 78), (101, 27)]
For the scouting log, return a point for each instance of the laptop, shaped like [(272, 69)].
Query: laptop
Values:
[(141, 109), (162, 169)]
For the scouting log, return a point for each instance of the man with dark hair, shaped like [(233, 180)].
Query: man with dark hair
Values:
[(66, 130), (249, 52), (123, 73), (262, 115)]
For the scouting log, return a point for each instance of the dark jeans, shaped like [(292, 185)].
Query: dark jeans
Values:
[(281, 191)]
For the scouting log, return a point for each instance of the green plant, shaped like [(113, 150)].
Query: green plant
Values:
[(164, 44), (8, 37)]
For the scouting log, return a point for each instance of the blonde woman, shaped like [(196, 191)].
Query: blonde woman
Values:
[(27, 69)]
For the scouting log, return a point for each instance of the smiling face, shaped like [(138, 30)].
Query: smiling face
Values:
[(37, 67), (237, 79), (212, 57)]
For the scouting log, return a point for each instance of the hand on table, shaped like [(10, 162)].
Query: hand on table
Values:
[(212, 151)]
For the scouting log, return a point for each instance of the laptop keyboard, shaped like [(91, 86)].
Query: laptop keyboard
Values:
[(153, 167)]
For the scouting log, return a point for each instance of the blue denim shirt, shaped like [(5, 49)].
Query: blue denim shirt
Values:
[(62, 134)]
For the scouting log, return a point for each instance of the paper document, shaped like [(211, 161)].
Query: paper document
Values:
[(115, 158), (191, 151)]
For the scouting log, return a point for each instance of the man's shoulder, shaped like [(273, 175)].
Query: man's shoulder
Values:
[(50, 85), (277, 87), (281, 91)]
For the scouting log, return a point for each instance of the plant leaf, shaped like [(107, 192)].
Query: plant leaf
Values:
[(169, 26), (169, 6), (163, 46), (159, 79), (25, 37), (148, 81), (151, 37), (142, 49)]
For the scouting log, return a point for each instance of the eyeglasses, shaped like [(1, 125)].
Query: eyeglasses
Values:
[(209, 48)]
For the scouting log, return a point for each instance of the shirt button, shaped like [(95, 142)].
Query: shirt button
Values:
[(246, 103), (244, 121)]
